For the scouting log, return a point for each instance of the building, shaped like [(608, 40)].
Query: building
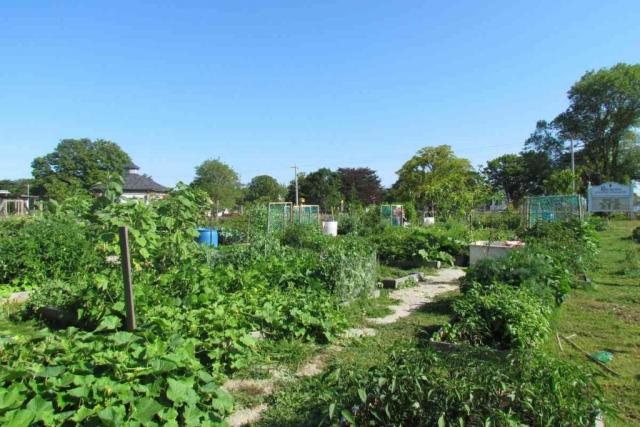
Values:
[(140, 187)]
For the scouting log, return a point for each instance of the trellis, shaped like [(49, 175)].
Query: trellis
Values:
[(553, 208)]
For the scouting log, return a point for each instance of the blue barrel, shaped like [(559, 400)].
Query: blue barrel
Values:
[(208, 236)]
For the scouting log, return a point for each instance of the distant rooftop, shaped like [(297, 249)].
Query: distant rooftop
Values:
[(140, 183)]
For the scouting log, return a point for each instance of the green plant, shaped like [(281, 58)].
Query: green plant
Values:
[(500, 316), (76, 377), (419, 387), (635, 234), (44, 248)]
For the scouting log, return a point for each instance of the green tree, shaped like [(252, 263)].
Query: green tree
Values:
[(19, 187), (360, 185), (436, 180), (559, 182), (264, 188), (519, 175), (604, 107), (219, 181), (77, 165), (321, 187)]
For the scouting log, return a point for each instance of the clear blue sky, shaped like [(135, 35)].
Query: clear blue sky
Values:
[(263, 85)]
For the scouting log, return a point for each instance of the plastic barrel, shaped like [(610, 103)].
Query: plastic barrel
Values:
[(330, 228), (208, 236)]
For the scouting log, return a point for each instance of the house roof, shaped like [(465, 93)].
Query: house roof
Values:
[(131, 165), (135, 182)]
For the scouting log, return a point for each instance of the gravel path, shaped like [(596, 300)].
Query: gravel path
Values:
[(409, 300)]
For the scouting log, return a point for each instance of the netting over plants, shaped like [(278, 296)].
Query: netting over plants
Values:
[(279, 216), (306, 214), (392, 214), (553, 208)]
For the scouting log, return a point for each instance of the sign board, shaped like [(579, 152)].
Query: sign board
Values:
[(610, 197)]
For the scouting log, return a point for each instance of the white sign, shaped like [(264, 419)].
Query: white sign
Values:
[(610, 197)]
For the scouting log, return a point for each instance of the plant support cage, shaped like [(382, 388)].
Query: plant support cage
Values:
[(281, 214), (553, 208), (392, 214)]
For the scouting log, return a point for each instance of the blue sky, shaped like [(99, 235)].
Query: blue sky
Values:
[(263, 85)]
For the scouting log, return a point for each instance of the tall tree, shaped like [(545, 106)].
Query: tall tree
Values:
[(548, 139), (220, 181), (604, 107), (264, 188), (519, 175), (321, 187), (76, 165), (505, 173), (360, 185), (435, 179)]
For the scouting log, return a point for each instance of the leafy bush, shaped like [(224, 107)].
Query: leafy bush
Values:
[(76, 377), (500, 317), (528, 268), (412, 246), (40, 249), (572, 244), (635, 234), (598, 223), (424, 388)]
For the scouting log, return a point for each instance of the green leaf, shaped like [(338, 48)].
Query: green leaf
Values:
[(42, 409), (363, 395), (347, 416), (13, 397), (112, 416), (21, 418), (109, 323), (332, 409), (181, 391), (146, 408), (223, 402), (441, 422)]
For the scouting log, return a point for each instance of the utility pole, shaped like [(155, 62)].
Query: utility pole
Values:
[(295, 169), (573, 168)]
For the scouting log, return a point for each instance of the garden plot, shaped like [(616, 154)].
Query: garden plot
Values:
[(409, 300)]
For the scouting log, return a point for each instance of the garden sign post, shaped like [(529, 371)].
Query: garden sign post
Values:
[(126, 278)]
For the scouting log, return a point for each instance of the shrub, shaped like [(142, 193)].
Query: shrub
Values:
[(572, 244), (529, 268), (424, 388), (635, 234), (500, 317), (412, 246), (48, 248)]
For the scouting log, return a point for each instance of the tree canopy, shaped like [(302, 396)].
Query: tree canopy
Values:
[(604, 107), (436, 180), (264, 188), (219, 181), (77, 165), (360, 185), (321, 187)]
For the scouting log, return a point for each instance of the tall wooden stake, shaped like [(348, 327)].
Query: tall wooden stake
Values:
[(125, 260)]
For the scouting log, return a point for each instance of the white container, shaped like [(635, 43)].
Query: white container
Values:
[(492, 249), (429, 220), (330, 228)]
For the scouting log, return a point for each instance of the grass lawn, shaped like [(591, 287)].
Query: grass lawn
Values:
[(607, 317)]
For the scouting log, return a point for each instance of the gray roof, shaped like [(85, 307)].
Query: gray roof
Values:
[(135, 182)]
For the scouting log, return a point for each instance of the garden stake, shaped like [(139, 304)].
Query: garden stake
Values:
[(125, 260), (602, 365)]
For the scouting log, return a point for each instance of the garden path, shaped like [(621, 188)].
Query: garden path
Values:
[(409, 300)]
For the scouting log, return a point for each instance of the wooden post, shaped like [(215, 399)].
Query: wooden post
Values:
[(125, 260)]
